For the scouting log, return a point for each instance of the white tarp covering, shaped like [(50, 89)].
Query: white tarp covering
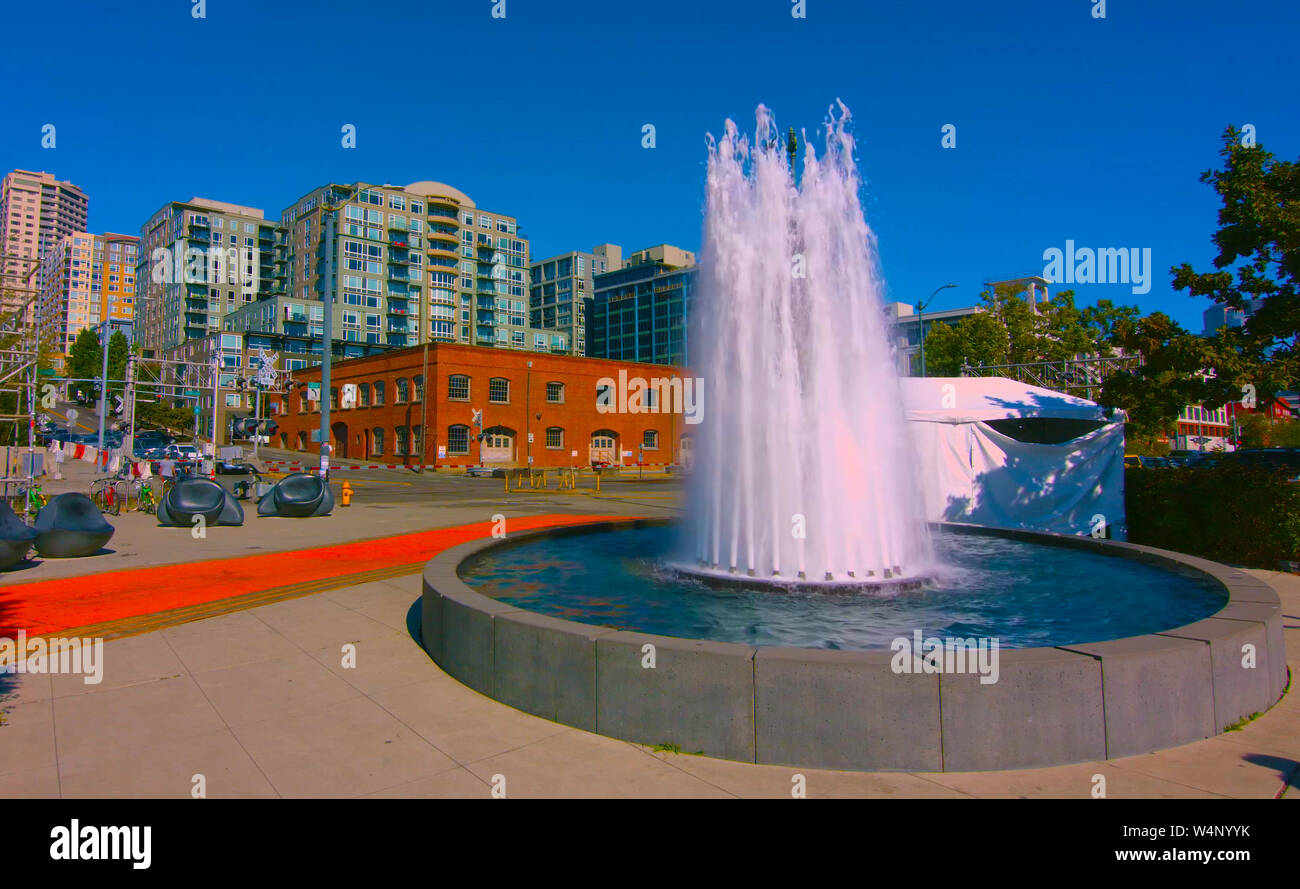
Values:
[(971, 472)]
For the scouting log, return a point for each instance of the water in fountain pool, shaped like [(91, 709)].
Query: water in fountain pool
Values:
[(1023, 594)]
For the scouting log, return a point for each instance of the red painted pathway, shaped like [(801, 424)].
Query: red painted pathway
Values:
[(51, 606)]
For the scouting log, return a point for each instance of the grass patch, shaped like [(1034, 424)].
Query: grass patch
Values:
[(674, 748), (1240, 723)]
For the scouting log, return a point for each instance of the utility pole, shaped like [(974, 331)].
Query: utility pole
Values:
[(327, 331), (424, 408), (216, 401), (103, 392), (128, 437), (528, 417)]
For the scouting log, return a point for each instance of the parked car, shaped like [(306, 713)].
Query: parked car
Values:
[(1284, 459)]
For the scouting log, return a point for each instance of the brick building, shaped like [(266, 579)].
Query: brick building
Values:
[(377, 410)]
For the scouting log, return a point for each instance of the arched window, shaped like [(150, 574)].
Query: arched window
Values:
[(379, 393), (334, 398), (403, 444), (417, 441), (457, 441), (458, 387), (419, 387), (363, 395), (499, 390), (555, 437), (403, 393), (303, 403), (377, 442)]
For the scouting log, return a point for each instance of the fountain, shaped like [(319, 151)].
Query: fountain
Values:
[(804, 461), (804, 487)]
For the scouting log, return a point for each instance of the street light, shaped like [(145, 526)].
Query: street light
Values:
[(920, 319), (327, 331)]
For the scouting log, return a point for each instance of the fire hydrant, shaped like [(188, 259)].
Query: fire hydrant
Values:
[(345, 494)]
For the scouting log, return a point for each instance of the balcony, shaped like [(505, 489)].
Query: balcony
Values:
[(395, 259), (397, 226), (200, 235), (442, 201)]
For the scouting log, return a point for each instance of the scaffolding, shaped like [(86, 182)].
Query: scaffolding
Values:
[(1082, 377), (20, 348)]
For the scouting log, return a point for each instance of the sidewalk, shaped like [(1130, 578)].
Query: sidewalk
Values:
[(259, 703)]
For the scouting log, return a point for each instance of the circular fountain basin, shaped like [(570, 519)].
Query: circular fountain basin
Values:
[(1104, 649)]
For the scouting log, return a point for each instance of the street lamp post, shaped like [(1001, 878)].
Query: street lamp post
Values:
[(920, 319), (327, 335)]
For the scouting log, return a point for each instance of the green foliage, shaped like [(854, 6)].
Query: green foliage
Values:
[(85, 357), (1258, 259), (1243, 722), (1008, 331), (1242, 515), (118, 349), (1258, 431)]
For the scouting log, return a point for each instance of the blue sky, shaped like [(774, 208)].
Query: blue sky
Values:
[(1068, 127)]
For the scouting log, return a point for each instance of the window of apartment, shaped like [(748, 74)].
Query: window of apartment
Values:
[(458, 387), (650, 440), (363, 395), (403, 441), (555, 437), (379, 393), (499, 390), (555, 393), (418, 380), (377, 442), (403, 391), (457, 441)]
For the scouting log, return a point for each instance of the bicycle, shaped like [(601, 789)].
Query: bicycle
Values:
[(145, 501), (29, 499), (104, 494)]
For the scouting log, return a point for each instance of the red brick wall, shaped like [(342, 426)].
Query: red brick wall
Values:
[(577, 415)]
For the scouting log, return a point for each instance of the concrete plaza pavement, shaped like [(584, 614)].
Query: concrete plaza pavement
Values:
[(260, 703)]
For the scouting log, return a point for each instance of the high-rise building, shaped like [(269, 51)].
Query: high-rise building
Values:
[(561, 286), (639, 312), (85, 279), (413, 264), (36, 212), (1219, 315), (201, 260)]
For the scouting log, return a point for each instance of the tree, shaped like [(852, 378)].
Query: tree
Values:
[(1258, 260), (1009, 331), (1258, 263), (118, 348), (980, 338), (85, 358)]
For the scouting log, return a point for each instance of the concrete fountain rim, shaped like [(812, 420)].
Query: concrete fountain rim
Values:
[(820, 708)]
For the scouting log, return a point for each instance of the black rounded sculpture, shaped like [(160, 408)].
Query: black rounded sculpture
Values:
[(15, 537), (70, 526), (195, 496), (297, 496)]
